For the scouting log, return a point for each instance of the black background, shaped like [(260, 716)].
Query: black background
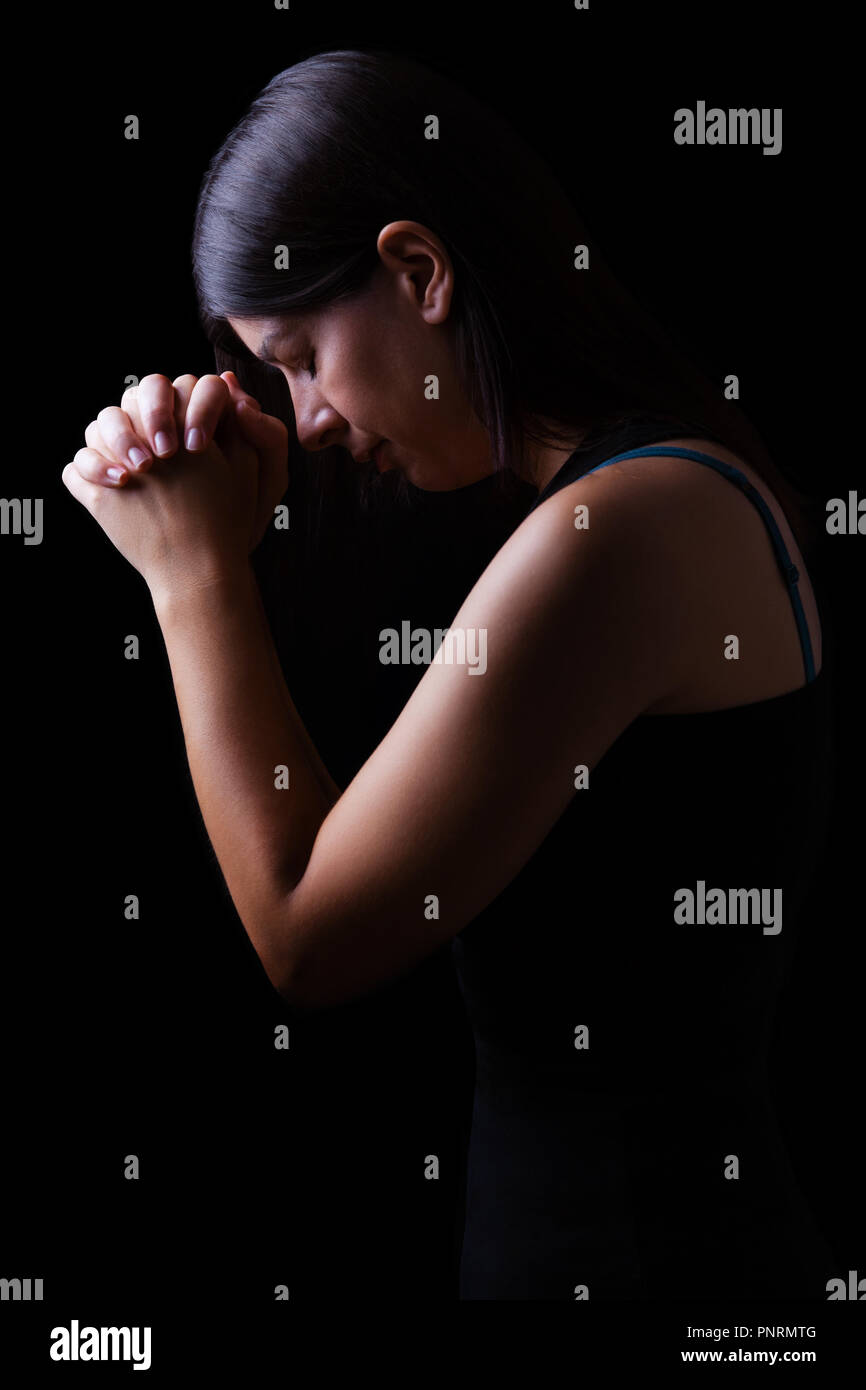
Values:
[(155, 1037)]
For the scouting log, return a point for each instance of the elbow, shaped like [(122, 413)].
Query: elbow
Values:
[(300, 972), (309, 991), (279, 962), (292, 984), (288, 987), (284, 976), (308, 979), (297, 994)]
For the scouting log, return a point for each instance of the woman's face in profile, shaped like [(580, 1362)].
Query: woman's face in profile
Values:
[(361, 371)]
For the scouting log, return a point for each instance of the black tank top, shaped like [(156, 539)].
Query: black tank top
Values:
[(623, 1142)]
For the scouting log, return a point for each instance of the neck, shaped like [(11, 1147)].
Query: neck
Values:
[(544, 461)]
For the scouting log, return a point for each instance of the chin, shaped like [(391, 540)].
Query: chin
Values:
[(423, 478)]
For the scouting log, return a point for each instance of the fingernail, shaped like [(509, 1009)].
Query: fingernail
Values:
[(163, 443), (137, 457), (194, 440), (116, 473)]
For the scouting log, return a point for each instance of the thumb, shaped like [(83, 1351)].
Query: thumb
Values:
[(261, 429)]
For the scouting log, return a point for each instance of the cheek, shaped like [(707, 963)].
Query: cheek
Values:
[(375, 387)]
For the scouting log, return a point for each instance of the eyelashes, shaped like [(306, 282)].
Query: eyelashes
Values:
[(309, 366)]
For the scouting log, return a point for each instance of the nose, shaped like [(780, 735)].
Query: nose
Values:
[(317, 423)]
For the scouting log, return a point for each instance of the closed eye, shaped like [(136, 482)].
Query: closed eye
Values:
[(308, 366)]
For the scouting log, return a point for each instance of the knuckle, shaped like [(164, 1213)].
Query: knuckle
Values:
[(215, 388), (154, 379), (90, 465)]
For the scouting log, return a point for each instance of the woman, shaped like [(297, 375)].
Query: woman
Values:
[(611, 818)]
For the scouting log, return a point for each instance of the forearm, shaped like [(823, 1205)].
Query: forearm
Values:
[(329, 787), (239, 725)]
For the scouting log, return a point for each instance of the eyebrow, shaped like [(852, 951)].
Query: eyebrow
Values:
[(268, 343), (266, 347)]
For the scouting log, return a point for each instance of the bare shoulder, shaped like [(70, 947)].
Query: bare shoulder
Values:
[(702, 548), (651, 509), (600, 571)]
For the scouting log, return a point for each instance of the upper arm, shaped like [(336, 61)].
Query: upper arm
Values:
[(478, 767)]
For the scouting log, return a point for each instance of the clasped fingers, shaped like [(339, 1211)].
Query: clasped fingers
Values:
[(150, 420)]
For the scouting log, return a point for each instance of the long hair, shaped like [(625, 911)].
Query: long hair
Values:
[(334, 148)]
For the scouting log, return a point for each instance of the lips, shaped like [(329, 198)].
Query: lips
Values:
[(378, 455)]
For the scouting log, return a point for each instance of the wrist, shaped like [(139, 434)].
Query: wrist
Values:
[(205, 584)]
